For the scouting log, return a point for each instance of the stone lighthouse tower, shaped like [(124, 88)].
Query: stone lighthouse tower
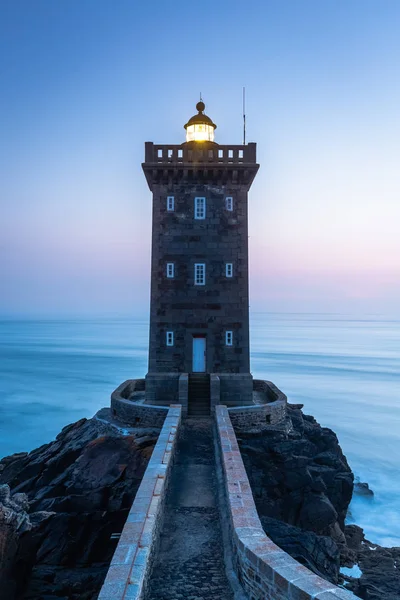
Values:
[(199, 314)]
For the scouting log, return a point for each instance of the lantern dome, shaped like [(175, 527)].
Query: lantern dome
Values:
[(200, 127)]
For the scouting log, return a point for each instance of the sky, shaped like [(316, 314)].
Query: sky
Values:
[(84, 83)]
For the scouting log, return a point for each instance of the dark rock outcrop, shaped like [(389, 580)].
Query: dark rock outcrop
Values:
[(300, 477), (60, 506), (380, 567), (302, 485), (361, 488), (318, 553)]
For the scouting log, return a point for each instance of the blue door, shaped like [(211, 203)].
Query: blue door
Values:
[(199, 354)]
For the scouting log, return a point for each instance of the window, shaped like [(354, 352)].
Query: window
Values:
[(159, 153), (229, 269), (199, 274), (170, 152), (220, 154), (229, 203), (170, 270), (228, 338), (240, 154), (170, 203), (170, 338), (199, 208), (210, 154), (230, 153), (180, 153)]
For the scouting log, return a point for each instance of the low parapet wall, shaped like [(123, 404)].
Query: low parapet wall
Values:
[(270, 412), (265, 570), (270, 390), (134, 413), (131, 563)]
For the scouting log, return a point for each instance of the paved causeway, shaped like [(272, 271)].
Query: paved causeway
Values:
[(190, 562)]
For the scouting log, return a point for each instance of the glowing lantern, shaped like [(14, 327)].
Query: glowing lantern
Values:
[(200, 128)]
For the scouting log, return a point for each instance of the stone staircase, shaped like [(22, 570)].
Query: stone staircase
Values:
[(199, 400)]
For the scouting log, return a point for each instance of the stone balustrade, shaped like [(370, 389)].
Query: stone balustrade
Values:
[(131, 564), (265, 570), (208, 153)]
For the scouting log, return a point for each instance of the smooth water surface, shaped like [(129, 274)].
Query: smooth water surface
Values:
[(346, 371)]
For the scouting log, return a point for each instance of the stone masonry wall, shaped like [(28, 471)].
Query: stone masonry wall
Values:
[(135, 413), (257, 418), (184, 392), (236, 389), (265, 571), (162, 388), (131, 564), (186, 309), (272, 412), (270, 390)]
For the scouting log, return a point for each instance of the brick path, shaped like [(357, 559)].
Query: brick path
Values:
[(190, 563)]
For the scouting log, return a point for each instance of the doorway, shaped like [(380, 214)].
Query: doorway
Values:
[(199, 354)]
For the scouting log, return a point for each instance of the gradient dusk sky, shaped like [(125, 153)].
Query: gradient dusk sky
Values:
[(84, 83)]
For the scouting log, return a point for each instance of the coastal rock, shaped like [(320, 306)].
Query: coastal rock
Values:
[(302, 485), (300, 477), (380, 567), (362, 489), (13, 522), (318, 553), (60, 504)]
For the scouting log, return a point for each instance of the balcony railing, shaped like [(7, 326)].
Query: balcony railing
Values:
[(193, 153)]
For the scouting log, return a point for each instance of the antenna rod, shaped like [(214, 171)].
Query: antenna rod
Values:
[(244, 116)]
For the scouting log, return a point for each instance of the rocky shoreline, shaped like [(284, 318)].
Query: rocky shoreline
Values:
[(302, 485), (60, 506), (63, 505)]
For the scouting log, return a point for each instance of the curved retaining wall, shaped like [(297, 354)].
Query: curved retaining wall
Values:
[(261, 416), (130, 566), (136, 413), (265, 571)]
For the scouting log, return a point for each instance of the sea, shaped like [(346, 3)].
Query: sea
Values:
[(345, 369)]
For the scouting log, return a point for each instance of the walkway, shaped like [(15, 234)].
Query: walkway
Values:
[(190, 562)]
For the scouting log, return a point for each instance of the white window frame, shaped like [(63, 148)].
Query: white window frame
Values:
[(199, 274), (169, 338), (228, 338), (170, 270), (229, 203), (170, 203), (229, 269), (200, 207)]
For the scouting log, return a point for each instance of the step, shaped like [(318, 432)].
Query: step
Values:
[(199, 387), (199, 401)]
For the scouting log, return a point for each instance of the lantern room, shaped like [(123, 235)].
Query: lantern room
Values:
[(200, 128)]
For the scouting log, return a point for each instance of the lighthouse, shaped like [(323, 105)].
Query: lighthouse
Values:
[(199, 305)]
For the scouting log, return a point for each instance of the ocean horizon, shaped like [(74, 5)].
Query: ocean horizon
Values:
[(345, 369)]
